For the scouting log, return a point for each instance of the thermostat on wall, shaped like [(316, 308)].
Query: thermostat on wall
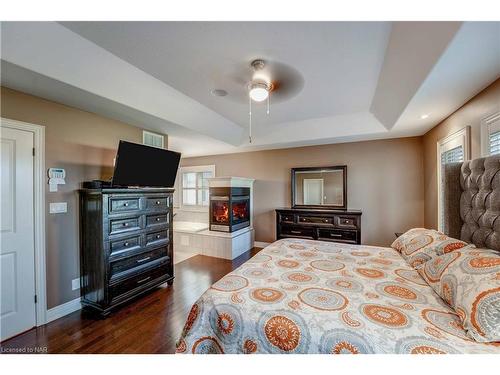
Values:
[(56, 177)]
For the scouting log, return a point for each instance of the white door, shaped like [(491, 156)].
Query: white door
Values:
[(17, 247), (313, 191)]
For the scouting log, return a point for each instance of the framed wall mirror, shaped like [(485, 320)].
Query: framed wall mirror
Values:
[(320, 187)]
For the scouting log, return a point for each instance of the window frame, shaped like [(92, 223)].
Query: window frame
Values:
[(489, 125), (180, 189), (451, 141)]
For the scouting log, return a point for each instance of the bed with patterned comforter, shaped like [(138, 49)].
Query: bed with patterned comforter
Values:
[(301, 296)]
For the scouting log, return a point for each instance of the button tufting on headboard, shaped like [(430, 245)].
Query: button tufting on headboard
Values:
[(480, 202)]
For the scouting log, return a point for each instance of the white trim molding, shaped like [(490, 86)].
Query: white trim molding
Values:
[(64, 309), (490, 124), (39, 211), (458, 138)]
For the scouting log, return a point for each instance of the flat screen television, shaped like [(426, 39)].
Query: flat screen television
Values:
[(145, 166)]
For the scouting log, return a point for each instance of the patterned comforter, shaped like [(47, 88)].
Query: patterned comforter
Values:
[(301, 296)]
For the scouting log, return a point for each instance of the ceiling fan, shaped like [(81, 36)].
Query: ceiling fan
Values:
[(259, 89), (274, 78)]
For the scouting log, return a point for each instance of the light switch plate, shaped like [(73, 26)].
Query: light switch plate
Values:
[(75, 284), (58, 207)]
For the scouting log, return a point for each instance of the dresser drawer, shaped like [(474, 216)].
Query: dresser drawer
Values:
[(158, 203), (347, 222), (337, 235), (298, 231), (141, 260), (154, 220), (137, 282), (287, 218), (157, 237), (315, 220), (118, 205), (127, 244), (124, 225)]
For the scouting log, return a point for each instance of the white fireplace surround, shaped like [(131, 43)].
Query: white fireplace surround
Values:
[(235, 182), (190, 239)]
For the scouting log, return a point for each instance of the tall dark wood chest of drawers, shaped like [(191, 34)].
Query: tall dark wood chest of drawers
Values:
[(125, 244), (319, 224)]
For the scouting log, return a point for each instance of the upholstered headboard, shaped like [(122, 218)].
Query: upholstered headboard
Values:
[(471, 201)]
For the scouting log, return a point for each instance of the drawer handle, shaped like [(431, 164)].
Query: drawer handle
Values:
[(126, 244), (335, 235), (158, 219), (143, 280), (158, 236), (325, 221), (158, 202), (125, 204), (143, 259), (296, 231), (125, 224)]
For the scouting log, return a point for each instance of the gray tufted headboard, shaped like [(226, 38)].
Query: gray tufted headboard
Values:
[(471, 201)]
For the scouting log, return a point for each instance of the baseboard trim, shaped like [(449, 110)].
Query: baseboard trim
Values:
[(261, 244), (63, 310)]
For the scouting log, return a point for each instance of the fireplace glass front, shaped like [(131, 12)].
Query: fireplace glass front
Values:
[(229, 209)]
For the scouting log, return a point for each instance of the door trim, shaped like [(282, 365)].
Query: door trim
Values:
[(38, 211)]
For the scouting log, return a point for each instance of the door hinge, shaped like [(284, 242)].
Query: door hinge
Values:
[(36, 299), (33, 151)]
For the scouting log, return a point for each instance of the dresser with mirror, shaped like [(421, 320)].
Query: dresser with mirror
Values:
[(319, 207)]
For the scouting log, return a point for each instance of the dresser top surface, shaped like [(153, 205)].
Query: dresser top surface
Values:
[(127, 190), (320, 211)]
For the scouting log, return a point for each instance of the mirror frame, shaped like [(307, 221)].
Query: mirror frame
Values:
[(342, 168)]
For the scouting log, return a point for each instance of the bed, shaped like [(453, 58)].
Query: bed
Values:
[(304, 296)]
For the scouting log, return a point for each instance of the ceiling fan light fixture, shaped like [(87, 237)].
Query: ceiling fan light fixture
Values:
[(258, 92)]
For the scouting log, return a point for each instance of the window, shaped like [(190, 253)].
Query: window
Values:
[(454, 148), (490, 135), (153, 139), (454, 155), (495, 143), (194, 186)]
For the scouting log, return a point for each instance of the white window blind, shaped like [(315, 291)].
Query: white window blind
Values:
[(454, 155), (495, 143), (490, 135)]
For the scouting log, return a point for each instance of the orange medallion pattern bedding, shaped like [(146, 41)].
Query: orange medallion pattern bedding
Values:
[(302, 296)]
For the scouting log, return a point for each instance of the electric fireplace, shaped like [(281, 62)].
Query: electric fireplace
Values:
[(229, 208)]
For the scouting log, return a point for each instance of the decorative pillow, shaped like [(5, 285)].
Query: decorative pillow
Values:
[(419, 245), (469, 281)]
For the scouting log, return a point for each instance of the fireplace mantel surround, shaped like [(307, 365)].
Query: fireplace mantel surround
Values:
[(231, 203), (224, 243)]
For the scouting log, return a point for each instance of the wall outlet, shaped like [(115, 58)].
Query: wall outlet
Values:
[(58, 207), (75, 284)]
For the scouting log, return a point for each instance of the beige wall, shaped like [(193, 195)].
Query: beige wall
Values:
[(470, 114), (384, 180), (85, 145)]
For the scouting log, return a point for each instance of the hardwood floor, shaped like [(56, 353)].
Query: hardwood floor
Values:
[(150, 324)]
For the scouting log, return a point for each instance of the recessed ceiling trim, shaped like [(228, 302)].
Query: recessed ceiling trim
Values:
[(54, 51)]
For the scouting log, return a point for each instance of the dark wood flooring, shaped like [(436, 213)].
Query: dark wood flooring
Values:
[(151, 324)]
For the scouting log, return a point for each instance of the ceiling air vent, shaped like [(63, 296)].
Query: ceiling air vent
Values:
[(152, 139)]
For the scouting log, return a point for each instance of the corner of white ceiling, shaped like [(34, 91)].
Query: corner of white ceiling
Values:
[(414, 48), (52, 50)]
